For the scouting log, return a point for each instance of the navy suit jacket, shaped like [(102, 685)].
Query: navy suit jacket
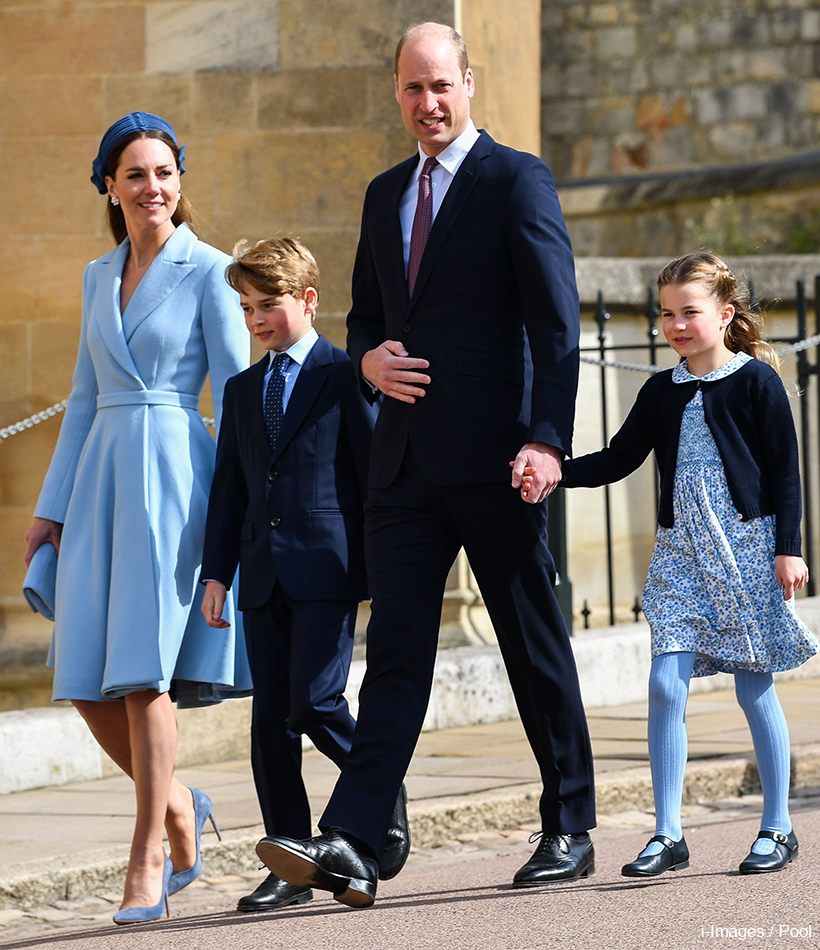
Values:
[(494, 310), (296, 514)]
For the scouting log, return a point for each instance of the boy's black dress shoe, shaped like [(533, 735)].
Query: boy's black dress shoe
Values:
[(674, 857), (784, 851), (557, 858), (397, 845), (273, 892), (328, 861)]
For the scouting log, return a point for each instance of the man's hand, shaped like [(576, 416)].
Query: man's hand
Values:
[(393, 372), (791, 573), (536, 471), (39, 531), (213, 604)]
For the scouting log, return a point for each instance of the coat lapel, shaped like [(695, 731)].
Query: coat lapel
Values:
[(312, 377), (170, 267), (107, 307), (458, 192)]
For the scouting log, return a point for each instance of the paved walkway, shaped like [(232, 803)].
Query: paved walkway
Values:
[(63, 845)]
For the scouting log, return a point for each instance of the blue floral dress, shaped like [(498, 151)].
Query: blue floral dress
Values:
[(711, 587)]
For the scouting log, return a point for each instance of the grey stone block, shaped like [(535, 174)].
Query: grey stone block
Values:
[(211, 35), (615, 42), (712, 105), (749, 101)]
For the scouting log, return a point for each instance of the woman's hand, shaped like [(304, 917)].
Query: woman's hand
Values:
[(39, 531), (791, 573)]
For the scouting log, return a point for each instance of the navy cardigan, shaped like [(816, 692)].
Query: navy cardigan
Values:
[(749, 416)]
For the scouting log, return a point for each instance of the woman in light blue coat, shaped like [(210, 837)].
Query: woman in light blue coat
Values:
[(125, 497)]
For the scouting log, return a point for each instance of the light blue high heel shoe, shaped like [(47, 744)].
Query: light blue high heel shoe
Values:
[(136, 915), (203, 809)]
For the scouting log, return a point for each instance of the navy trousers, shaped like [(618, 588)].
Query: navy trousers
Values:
[(299, 653), (413, 532)]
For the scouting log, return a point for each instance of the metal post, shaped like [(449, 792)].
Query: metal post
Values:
[(803, 373), (601, 317)]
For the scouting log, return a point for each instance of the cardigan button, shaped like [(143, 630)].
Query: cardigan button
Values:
[(275, 522)]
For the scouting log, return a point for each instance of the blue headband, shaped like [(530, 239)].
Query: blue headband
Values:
[(133, 122)]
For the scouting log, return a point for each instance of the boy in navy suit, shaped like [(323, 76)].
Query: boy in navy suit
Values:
[(286, 506)]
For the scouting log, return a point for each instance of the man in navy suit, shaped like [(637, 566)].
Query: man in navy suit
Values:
[(465, 316), (286, 505)]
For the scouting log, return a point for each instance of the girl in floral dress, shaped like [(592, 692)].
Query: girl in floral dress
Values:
[(719, 591)]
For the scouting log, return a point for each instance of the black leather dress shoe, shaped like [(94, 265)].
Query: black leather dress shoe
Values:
[(674, 857), (784, 851), (557, 858), (328, 861), (273, 892), (397, 845)]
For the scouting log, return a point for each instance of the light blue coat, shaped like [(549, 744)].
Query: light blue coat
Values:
[(131, 474)]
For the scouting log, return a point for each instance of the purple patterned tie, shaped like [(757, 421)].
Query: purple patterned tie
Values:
[(422, 222)]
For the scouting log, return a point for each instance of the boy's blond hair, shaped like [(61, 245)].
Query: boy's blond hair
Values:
[(276, 267)]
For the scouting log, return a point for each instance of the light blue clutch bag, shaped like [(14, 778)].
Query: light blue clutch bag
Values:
[(41, 581)]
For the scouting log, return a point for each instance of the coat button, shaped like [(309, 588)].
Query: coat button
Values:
[(275, 522), (272, 476), (406, 328)]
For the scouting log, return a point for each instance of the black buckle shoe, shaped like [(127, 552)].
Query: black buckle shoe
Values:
[(328, 861), (674, 857), (557, 858), (397, 845), (784, 852), (273, 892)]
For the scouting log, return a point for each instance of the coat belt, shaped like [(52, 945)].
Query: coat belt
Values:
[(147, 397)]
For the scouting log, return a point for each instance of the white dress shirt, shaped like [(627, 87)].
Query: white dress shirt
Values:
[(449, 162), (298, 353)]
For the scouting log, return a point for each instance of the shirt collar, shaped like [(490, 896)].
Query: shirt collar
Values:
[(300, 349), (451, 157)]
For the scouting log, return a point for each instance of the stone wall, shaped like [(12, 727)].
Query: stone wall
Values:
[(652, 87), (287, 108), (655, 85)]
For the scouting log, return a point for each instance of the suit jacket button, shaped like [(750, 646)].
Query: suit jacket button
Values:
[(275, 522), (406, 328), (272, 476)]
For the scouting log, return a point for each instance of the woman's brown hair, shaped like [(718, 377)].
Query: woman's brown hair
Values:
[(116, 219), (745, 332)]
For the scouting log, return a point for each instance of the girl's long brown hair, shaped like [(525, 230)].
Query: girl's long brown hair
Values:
[(745, 332)]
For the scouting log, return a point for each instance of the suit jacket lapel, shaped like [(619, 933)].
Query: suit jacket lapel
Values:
[(255, 382), (394, 239), (309, 383), (170, 267), (458, 192)]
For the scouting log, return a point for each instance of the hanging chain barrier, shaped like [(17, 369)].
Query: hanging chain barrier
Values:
[(646, 368), (30, 421)]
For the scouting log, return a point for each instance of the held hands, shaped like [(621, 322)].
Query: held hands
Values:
[(536, 471), (791, 573), (393, 372), (213, 604), (39, 531)]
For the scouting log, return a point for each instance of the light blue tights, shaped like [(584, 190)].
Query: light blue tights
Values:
[(668, 746)]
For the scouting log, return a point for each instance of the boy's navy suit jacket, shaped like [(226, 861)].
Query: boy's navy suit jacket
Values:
[(294, 515)]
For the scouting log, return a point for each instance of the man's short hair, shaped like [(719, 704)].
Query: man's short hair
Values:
[(417, 30), (276, 267)]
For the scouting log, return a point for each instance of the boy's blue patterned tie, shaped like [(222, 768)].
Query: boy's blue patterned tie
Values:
[(273, 397)]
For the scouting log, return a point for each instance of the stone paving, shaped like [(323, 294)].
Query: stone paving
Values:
[(90, 821)]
